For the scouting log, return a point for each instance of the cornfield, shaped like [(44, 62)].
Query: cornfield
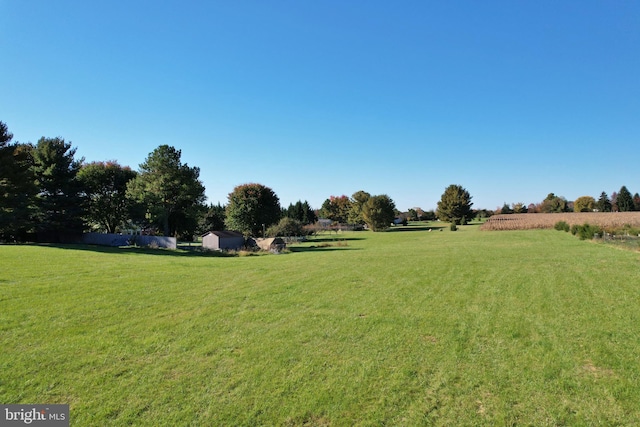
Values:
[(605, 220)]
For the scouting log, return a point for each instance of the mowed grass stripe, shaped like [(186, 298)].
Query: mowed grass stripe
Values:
[(413, 328)]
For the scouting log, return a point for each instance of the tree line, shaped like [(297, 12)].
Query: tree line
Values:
[(620, 201), (376, 212), (48, 194)]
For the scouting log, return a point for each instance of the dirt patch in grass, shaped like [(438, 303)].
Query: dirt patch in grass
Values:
[(309, 420), (430, 338), (591, 369)]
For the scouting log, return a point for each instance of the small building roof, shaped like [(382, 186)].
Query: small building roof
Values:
[(224, 233)]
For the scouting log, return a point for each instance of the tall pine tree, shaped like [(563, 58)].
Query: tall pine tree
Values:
[(624, 200), (17, 189), (603, 204), (170, 190), (59, 204)]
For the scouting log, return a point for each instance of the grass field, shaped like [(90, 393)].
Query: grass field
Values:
[(400, 328)]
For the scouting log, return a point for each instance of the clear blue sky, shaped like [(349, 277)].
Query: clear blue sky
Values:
[(510, 99)]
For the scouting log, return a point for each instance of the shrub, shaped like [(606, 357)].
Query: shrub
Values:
[(588, 231), (585, 231), (286, 227), (628, 230), (453, 226), (562, 226)]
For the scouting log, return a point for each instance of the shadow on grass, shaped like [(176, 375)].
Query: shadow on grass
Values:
[(193, 253), (122, 250), (335, 238), (294, 249), (415, 228)]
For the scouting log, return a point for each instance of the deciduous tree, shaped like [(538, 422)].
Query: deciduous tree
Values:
[(428, 216), (584, 204), (105, 187), (286, 227), (614, 202), (519, 207), (553, 203), (358, 201), (336, 209), (252, 208)]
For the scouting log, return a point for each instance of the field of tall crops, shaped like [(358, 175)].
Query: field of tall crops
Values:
[(606, 220)]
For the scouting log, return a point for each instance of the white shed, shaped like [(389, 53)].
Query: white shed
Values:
[(222, 240)]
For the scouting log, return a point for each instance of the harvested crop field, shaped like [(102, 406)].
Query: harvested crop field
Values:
[(606, 220)]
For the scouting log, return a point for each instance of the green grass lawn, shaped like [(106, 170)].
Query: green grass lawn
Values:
[(398, 328)]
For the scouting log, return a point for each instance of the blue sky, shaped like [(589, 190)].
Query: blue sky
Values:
[(510, 99)]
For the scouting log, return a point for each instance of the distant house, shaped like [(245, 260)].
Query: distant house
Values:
[(269, 244), (217, 240)]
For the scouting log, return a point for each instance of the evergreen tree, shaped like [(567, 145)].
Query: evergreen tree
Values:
[(624, 200), (212, 219), (295, 211), (455, 205), (17, 188), (5, 135), (603, 204), (378, 212), (308, 215), (300, 211), (170, 190), (59, 203)]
